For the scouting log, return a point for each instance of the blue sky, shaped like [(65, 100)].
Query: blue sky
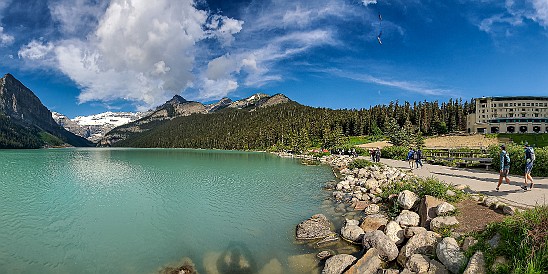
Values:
[(82, 57)]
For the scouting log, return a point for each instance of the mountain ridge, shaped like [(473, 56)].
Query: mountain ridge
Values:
[(25, 116)]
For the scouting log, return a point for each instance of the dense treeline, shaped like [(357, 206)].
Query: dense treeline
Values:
[(293, 126), (15, 136)]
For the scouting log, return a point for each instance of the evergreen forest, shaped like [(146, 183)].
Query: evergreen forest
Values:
[(291, 126)]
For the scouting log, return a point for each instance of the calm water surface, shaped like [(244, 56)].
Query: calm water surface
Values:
[(136, 210)]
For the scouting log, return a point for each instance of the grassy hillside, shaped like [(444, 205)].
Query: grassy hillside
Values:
[(537, 140)]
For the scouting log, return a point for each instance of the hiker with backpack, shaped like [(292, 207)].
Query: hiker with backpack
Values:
[(411, 157), (504, 166), (529, 160)]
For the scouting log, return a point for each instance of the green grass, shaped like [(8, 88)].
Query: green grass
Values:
[(360, 163), (359, 140), (524, 242), (537, 140)]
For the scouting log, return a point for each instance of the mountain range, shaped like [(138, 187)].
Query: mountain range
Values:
[(26, 123)]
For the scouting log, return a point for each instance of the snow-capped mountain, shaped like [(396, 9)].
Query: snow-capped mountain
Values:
[(94, 127)]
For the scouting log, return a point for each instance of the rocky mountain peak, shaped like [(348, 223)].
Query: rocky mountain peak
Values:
[(177, 100)]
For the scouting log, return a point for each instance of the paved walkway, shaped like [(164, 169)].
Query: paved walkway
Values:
[(485, 182)]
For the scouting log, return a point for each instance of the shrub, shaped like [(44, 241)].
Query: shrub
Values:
[(517, 159), (524, 242), (359, 163), (395, 152), (424, 186)]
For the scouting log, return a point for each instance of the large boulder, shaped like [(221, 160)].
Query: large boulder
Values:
[(408, 218), (361, 205), (317, 227), (352, 232), (394, 232), (427, 210), (449, 253), (423, 243), (443, 222), (418, 263), (476, 265), (373, 222), (444, 208), (437, 268), (338, 263), (370, 262), (371, 209), (388, 251), (414, 230), (407, 199)]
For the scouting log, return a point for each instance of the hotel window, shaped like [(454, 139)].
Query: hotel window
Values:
[(505, 104), (500, 105), (519, 104), (523, 115), (528, 104), (536, 114)]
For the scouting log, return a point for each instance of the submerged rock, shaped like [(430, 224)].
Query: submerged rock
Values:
[(338, 263), (186, 266), (317, 227)]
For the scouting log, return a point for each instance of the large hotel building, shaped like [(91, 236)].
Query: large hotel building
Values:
[(512, 114)]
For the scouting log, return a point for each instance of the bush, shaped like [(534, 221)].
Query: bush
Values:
[(360, 163), (395, 152), (424, 186), (517, 159), (524, 242)]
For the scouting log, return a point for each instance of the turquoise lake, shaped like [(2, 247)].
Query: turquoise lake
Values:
[(138, 210)]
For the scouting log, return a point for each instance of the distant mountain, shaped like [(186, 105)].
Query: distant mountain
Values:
[(180, 107), (94, 127), (26, 122)]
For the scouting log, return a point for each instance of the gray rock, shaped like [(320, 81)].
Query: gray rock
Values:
[(490, 201), (423, 243), (352, 232), (407, 271), (408, 218), (475, 197), (388, 251), (338, 263), (494, 242), (437, 268), (371, 184), (407, 199), (330, 240), (324, 255), (448, 252), (394, 232), (387, 271), (418, 263), (443, 222), (444, 208), (374, 222), (370, 262), (450, 193), (461, 187), (376, 200), (468, 242), (361, 205), (414, 230), (476, 265), (371, 209), (509, 210), (317, 227), (427, 210)]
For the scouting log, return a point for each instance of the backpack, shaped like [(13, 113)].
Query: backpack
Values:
[(506, 159), (530, 154)]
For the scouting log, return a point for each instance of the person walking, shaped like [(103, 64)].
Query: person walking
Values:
[(418, 157), (378, 155), (411, 157), (529, 160), (504, 166)]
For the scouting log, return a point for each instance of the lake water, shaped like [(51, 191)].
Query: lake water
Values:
[(136, 210)]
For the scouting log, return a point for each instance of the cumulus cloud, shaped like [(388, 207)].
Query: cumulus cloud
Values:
[(369, 2), (35, 50), (141, 52), (77, 16), (5, 39)]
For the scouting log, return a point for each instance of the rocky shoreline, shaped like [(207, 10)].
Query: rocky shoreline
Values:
[(417, 240)]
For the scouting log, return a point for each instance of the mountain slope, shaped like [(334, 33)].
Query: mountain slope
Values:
[(25, 117), (179, 107)]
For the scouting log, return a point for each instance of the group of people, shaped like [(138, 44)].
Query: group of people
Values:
[(505, 166), (375, 155), (414, 157)]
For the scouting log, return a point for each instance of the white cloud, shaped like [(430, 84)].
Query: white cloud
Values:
[(35, 50), (514, 15), (369, 2), (224, 28), (540, 12), (77, 16), (5, 39), (412, 86)]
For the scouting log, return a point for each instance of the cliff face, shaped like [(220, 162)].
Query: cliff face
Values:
[(21, 108)]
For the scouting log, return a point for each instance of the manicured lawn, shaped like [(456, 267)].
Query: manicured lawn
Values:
[(537, 140)]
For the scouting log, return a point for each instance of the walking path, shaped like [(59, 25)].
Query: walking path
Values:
[(484, 182)]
